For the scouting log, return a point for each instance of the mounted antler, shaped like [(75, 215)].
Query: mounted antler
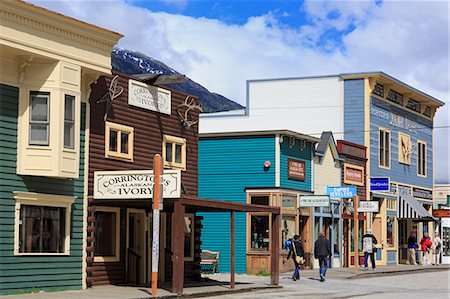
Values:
[(113, 92), (188, 105)]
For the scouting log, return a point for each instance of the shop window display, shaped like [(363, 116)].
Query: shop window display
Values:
[(259, 233)]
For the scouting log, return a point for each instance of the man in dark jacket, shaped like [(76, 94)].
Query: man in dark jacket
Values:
[(296, 251), (322, 251)]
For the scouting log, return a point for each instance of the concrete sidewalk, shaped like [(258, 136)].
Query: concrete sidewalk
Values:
[(218, 284)]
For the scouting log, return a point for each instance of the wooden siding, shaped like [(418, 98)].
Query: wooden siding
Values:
[(294, 152), (326, 172), (354, 110), (398, 172), (22, 273), (226, 167)]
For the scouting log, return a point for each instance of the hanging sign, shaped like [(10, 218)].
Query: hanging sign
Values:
[(341, 191), (149, 97), (380, 184), (314, 201), (368, 206), (134, 184)]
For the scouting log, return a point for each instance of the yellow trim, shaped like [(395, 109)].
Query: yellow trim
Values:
[(404, 157), (115, 258), (350, 182), (425, 156), (390, 145), (43, 200), (176, 141), (109, 126)]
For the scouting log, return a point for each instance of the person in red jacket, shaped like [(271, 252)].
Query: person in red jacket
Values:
[(425, 245)]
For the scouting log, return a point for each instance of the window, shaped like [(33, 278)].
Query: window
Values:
[(69, 121), (421, 158), (189, 238), (39, 118), (379, 90), (119, 141), (107, 234), (42, 224), (404, 148), (259, 236), (174, 152), (260, 200), (336, 236), (287, 229), (390, 230), (384, 155)]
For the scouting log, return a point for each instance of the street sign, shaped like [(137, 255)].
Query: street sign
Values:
[(368, 206), (380, 184), (314, 201), (341, 191)]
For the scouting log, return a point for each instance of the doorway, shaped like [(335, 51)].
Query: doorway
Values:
[(136, 248)]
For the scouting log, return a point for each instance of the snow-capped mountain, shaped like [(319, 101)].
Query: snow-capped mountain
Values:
[(133, 63)]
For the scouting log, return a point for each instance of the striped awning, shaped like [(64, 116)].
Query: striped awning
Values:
[(409, 208)]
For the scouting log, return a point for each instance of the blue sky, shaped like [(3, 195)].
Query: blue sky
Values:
[(221, 44)]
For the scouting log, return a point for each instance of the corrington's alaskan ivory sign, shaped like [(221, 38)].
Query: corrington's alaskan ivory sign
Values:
[(149, 97), (368, 206), (314, 201), (134, 184)]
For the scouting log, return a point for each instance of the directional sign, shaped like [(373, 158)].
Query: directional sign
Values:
[(341, 191), (379, 184), (314, 201)]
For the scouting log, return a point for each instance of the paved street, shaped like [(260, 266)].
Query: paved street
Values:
[(417, 285)]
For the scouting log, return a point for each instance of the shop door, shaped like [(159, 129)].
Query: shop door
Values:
[(345, 242), (136, 247)]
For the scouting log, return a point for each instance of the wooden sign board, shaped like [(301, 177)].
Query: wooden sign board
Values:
[(441, 213), (354, 175), (296, 170)]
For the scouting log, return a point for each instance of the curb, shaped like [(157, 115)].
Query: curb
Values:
[(397, 272)]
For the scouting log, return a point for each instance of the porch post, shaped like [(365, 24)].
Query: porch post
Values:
[(232, 250), (178, 249), (356, 229), (275, 250)]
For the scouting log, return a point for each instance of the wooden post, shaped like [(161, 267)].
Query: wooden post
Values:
[(157, 205), (178, 249), (356, 229), (232, 250), (275, 250)]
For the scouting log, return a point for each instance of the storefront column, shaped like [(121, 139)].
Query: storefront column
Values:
[(275, 250), (178, 249), (232, 250), (356, 229)]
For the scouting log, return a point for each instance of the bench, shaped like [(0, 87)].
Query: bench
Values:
[(209, 262)]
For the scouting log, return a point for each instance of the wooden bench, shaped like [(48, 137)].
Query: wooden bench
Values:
[(209, 262)]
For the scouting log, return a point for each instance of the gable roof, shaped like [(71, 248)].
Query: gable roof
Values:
[(327, 139)]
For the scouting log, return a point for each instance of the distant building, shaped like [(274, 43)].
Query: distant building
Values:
[(441, 202)]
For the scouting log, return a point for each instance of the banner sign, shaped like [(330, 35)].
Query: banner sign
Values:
[(422, 193), (149, 97), (296, 170), (368, 206), (341, 191), (379, 184), (313, 201), (134, 184)]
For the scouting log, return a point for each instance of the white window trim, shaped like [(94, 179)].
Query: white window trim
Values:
[(174, 140), (74, 112), (116, 257), (390, 151), (47, 200), (425, 157), (400, 136), (118, 154), (47, 94)]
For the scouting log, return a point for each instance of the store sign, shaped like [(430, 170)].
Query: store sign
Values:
[(441, 213), (149, 97), (379, 184), (422, 193), (288, 201), (134, 184), (353, 175), (314, 201), (341, 191), (368, 206), (404, 190), (296, 170)]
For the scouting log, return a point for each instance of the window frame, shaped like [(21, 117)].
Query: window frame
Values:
[(32, 94), (116, 257), (42, 200), (403, 160), (176, 141), (384, 130), (110, 126), (424, 144), (73, 121)]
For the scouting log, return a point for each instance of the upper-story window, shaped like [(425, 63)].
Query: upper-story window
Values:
[(174, 152), (69, 121), (427, 111), (119, 141), (384, 154), (39, 118), (421, 158)]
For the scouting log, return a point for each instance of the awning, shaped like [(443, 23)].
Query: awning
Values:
[(409, 208)]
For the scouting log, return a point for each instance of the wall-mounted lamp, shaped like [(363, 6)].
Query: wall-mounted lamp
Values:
[(266, 165)]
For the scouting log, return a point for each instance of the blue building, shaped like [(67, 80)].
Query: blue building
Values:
[(265, 168)]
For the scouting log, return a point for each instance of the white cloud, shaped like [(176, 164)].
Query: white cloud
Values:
[(408, 40)]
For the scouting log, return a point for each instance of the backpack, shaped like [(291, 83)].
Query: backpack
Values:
[(438, 246)]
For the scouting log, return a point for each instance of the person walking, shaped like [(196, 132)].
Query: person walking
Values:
[(369, 242), (437, 249), (425, 245), (412, 246), (297, 253), (322, 251)]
